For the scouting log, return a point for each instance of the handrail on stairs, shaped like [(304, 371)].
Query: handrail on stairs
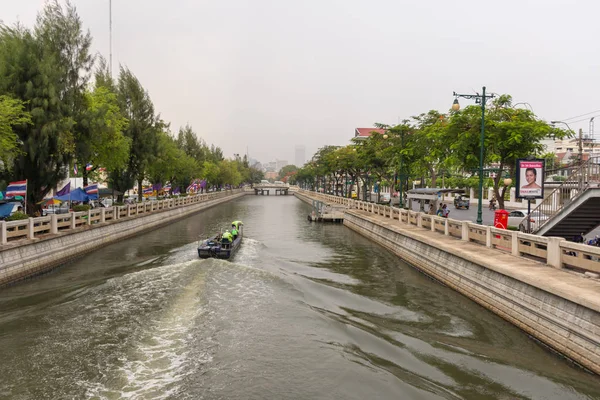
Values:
[(585, 176)]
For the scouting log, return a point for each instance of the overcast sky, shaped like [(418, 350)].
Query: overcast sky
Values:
[(271, 74)]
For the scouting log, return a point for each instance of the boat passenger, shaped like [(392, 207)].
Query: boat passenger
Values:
[(236, 224), (234, 233), (226, 238)]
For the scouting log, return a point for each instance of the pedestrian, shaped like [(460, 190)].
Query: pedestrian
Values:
[(445, 211), (440, 211)]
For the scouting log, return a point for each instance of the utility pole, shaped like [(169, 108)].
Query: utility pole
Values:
[(580, 160)]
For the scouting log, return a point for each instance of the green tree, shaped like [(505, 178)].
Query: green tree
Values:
[(510, 134), (12, 113), (137, 107), (30, 72), (103, 125), (286, 170)]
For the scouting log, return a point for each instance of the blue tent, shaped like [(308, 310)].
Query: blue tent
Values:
[(75, 195)]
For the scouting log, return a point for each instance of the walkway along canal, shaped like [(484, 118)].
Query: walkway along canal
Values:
[(303, 311), (559, 308)]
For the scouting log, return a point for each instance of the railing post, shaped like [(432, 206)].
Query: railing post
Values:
[(488, 236), (446, 227), (30, 229), (432, 224), (89, 217), (514, 243), (128, 210), (3, 235), (102, 215), (54, 224), (419, 220), (465, 231), (73, 220), (554, 252)]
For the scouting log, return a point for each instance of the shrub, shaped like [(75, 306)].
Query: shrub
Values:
[(17, 216), (81, 207)]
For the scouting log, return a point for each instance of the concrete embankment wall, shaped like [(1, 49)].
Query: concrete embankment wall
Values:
[(558, 308), (39, 256)]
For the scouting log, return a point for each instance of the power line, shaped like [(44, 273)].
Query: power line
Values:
[(584, 119), (577, 116)]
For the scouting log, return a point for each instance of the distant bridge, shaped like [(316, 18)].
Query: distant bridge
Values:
[(264, 188)]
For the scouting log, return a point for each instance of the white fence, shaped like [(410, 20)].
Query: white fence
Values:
[(35, 227), (554, 251)]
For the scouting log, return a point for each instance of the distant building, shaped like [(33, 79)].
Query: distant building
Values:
[(300, 156), (363, 133), (280, 164), (270, 166), (271, 175)]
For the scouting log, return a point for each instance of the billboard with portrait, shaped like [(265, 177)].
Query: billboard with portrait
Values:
[(530, 179)]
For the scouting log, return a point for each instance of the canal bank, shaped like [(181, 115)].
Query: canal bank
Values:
[(558, 308), (303, 311), (36, 256)]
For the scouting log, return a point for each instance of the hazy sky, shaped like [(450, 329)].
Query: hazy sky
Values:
[(271, 74)]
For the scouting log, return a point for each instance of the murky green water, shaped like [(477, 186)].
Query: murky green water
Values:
[(304, 311)]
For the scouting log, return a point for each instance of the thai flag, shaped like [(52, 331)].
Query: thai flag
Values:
[(75, 169), (167, 187), (148, 190), (91, 189), (88, 167), (18, 188)]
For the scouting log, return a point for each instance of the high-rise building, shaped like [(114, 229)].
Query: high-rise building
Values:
[(300, 156)]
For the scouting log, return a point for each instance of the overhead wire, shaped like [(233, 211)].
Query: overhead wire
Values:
[(578, 116)]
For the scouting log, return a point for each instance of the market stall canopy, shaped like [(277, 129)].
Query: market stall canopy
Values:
[(76, 195), (49, 202)]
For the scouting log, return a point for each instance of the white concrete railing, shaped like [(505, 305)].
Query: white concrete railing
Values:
[(554, 251), (52, 224)]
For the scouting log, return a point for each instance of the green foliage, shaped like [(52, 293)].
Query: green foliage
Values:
[(286, 171), (12, 113), (81, 207), (17, 216)]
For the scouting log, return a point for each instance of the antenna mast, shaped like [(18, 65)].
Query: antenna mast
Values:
[(110, 36)]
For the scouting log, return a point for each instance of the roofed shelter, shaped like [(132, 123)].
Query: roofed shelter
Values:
[(364, 133)]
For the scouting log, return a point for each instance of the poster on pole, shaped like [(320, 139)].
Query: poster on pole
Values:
[(530, 179)]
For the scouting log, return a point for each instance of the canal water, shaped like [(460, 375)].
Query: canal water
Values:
[(304, 311)]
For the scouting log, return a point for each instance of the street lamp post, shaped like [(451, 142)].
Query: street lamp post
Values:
[(479, 99), (400, 172)]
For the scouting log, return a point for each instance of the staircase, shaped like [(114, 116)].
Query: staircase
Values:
[(574, 206)]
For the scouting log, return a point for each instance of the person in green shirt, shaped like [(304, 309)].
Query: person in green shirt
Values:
[(234, 233), (236, 225)]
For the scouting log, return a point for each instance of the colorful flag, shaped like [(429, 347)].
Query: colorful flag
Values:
[(75, 169), (18, 188), (88, 167), (64, 190), (91, 189), (167, 187), (148, 190)]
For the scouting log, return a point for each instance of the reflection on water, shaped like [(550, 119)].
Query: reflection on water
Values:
[(303, 311)]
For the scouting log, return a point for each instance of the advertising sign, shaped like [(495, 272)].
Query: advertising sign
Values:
[(530, 179)]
